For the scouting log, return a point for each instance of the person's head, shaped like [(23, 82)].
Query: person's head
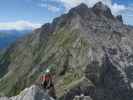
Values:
[(47, 72), (51, 69)]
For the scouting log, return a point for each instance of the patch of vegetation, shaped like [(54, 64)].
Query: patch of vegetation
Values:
[(4, 62), (68, 79), (71, 77), (65, 38), (6, 86)]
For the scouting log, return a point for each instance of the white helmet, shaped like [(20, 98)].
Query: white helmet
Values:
[(47, 70)]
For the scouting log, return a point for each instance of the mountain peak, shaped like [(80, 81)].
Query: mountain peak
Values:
[(101, 6), (80, 9), (102, 9), (82, 6)]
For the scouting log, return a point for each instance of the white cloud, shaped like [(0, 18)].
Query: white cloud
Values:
[(53, 8), (43, 5), (18, 25), (50, 7), (117, 9), (130, 8)]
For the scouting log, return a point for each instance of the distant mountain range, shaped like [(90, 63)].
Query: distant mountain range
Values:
[(9, 36)]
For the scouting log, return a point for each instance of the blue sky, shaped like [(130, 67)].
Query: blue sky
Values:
[(32, 13), (13, 10)]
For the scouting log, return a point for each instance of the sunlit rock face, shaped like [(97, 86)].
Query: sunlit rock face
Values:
[(32, 93)]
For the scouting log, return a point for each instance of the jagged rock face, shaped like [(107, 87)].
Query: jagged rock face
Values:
[(91, 51), (119, 17), (32, 93), (101, 9)]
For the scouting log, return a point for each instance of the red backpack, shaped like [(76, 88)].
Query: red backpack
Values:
[(45, 78)]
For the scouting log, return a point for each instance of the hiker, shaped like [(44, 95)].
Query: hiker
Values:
[(47, 83), (46, 80)]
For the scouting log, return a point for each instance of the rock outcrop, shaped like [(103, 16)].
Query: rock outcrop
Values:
[(82, 97), (32, 93), (119, 17)]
